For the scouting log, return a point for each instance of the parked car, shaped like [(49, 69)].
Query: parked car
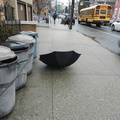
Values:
[(66, 20), (111, 21), (75, 17), (61, 16), (115, 25)]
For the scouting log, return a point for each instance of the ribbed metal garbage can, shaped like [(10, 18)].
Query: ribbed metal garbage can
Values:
[(35, 36), (27, 39), (21, 50), (8, 74)]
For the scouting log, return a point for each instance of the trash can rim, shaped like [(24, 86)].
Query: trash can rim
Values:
[(16, 46), (6, 53), (11, 63), (21, 38)]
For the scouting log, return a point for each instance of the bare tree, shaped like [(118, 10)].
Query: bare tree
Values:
[(6, 8), (41, 4), (10, 2)]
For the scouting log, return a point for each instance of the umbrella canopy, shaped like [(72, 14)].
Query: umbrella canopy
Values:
[(59, 59)]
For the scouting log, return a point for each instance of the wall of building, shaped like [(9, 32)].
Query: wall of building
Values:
[(116, 13), (15, 5), (27, 1), (1, 2), (2, 17)]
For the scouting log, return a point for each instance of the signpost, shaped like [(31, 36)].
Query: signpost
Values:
[(58, 7)]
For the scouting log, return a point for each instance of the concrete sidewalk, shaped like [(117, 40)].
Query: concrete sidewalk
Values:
[(87, 90)]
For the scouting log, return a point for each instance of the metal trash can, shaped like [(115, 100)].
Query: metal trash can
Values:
[(47, 20), (27, 39), (21, 50), (35, 36), (8, 74)]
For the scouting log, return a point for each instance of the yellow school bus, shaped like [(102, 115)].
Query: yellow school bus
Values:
[(96, 14)]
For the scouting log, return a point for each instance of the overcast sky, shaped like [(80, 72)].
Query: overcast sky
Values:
[(64, 1)]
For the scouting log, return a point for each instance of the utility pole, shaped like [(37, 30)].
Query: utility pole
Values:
[(50, 8), (56, 6), (69, 6), (105, 2), (72, 11)]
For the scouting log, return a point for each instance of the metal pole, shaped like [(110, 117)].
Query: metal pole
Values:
[(72, 11), (50, 6), (105, 2), (56, 6), (69, 6)]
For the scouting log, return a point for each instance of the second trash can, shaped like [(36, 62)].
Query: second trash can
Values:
[(8, 74), (27, 39), (21, 50), (35, 36)]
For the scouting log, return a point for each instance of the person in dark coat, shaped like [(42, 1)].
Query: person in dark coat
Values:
[(54, 17)]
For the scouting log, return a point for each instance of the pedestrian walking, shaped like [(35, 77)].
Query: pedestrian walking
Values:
[(54, 17)]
